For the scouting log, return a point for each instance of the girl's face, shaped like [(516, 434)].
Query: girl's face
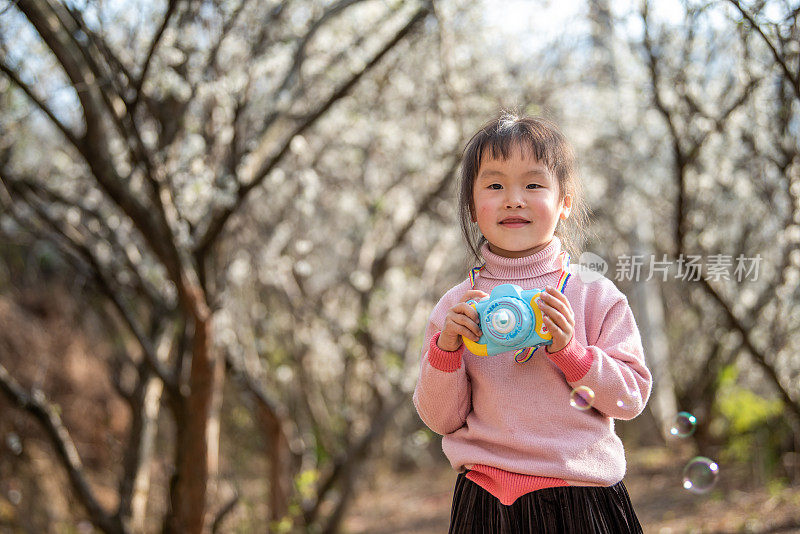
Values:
[(516, 205)]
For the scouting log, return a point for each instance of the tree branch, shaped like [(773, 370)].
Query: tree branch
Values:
[(100, 44), (37, 405), (220, 218), (94, 149), (226, 509), (380, 266), (677, 149), (78, 244), (758, 356), (794, 79), (344, 466), (211, 62), (71, 136), (300, 52), (137, 87)]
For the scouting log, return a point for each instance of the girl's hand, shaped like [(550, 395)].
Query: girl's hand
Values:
[(558, 318), (461, 320)]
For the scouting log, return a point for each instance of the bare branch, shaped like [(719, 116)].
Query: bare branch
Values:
[(37, 405), (381, 264), (220, 218), (677, 150), (344, 466), (123, 118), (100, 44), (53, 197), (226, 509), (94, 149), (719, 122), (781, 61), (300, 52), (137, 87), (759, 356), (211, 62), (71, 136), (681, 162), (145, 404), (78, 244), (58, 40)]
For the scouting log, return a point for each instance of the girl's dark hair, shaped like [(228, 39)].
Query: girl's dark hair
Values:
[(537, 137)]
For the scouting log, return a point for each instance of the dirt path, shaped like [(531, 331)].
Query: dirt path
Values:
[(420, 502)]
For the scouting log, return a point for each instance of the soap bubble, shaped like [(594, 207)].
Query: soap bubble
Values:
[(700, 474), (582, 398), (13, 442), (683, 425)]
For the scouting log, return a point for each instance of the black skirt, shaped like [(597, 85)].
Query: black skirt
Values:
[(561, 510)]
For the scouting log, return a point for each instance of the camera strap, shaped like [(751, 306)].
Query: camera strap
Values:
[(523, 355)]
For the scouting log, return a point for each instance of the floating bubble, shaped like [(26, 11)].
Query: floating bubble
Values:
[(15, 497), (700, 474), (13, 442), (582, 398), (683, 426)]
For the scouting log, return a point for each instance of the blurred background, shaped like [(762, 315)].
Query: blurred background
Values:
[(223, 225)]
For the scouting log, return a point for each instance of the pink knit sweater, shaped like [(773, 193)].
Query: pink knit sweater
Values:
[(512, 424)]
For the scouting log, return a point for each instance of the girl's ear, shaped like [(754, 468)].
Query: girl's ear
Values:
[(566, 206)]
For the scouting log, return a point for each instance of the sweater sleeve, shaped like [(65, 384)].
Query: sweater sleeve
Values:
[(612, 366), (443, 395)]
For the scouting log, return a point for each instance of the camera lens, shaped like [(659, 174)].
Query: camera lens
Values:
[(503, 321)]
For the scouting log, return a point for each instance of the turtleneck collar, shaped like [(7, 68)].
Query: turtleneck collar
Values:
[(540, 263)]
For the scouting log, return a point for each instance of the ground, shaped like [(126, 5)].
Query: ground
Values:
[(419, 503)]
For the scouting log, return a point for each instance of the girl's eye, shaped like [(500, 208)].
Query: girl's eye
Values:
[(495, 186), (534, 186)]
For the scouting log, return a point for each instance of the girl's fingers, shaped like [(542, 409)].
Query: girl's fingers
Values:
[(467, 310), (473, 294), (550, 290), (557, 302), (564, 324), (465, 332), (552, 325), (551, 311), (465, 326)]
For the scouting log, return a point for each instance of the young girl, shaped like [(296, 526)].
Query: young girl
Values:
[(532, 435)]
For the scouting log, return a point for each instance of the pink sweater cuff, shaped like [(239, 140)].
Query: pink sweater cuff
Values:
[(444, 360), (574, 360)]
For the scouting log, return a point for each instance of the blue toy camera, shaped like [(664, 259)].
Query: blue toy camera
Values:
[(510, 319)]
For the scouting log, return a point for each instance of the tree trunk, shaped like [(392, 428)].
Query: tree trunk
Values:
[(141, 483), (190, 481), (647, 300), (280, 463)]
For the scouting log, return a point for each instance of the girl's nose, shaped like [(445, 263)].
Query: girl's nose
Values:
[(514, 200)]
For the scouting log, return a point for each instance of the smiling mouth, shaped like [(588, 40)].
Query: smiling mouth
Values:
[(514, 222)]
